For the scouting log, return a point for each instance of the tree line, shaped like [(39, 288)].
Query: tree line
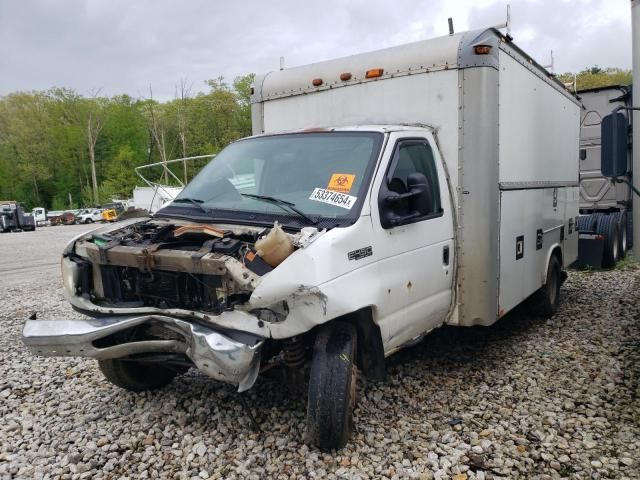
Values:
[(60, 149)]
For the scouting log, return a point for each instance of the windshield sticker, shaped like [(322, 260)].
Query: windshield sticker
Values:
[(341, 182), (336, 199)]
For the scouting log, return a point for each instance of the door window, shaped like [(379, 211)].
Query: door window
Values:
[(411, 191)]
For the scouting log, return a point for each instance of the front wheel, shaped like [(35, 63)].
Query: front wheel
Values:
[(545, 302), (332, 386), (136, 376)]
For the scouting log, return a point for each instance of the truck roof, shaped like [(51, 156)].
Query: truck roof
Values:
[(440, 53), (352, 128)]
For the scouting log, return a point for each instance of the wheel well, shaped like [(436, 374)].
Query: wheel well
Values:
[(370, 350), (557, 251)]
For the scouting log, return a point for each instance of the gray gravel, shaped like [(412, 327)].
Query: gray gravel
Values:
[(526, 398)]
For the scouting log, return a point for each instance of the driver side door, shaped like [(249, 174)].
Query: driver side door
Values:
[(416, 248)]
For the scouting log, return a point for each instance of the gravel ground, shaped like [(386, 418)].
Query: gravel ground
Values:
[(525, 398)]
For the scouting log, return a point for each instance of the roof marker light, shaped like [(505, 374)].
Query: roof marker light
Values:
[(345, 76), (374, 73), (482, 49), (317, 82)]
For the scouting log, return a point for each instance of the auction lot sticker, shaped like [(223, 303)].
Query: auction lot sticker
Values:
[(336, 199)]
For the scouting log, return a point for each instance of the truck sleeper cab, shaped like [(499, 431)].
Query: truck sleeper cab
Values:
[(439, 195)]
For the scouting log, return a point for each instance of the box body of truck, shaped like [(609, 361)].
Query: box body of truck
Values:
[(508, 134)]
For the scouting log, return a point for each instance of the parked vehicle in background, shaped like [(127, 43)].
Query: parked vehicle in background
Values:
[(605, 204), (14, 218), (62, 217), (382, 196), (40, 216), (109, 215), (89, 215)]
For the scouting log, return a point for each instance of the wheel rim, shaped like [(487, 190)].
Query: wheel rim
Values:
[(623, 241), (615, 249)]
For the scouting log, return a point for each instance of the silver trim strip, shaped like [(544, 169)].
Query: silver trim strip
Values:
[(536, 184)]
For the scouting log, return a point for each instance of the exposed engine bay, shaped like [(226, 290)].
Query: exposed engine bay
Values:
[(177, 265)]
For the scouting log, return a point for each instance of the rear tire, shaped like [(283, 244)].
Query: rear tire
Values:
[(332, 386), (621, 218), (608, 228), (545, 302), (136, 376)]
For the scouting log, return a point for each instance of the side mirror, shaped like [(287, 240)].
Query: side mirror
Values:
[(402, 208), (613, 160), (422, 202)]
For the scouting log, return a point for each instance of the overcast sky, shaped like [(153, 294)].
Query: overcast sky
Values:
[(123, 46)]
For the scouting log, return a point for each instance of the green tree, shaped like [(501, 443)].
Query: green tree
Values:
[(597, 77)]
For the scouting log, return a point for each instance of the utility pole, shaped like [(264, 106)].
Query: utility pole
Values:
[(635, 97)]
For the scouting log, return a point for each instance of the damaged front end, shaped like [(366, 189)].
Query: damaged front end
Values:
[(169, 288)]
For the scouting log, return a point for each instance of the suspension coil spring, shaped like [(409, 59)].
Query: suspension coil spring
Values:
[(294, 352)]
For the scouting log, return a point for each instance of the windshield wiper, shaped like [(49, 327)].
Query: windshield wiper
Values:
[(193, 201), (282, 204)]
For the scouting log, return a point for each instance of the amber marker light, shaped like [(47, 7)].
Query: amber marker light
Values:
[(482, 49), (374, 73), (317, 82), (346, 76)]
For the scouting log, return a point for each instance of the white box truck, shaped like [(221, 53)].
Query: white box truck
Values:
[(389, 193)]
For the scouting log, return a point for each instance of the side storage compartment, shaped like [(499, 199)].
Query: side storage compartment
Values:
[(532, 225)]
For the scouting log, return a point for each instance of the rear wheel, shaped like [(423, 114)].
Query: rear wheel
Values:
[(621, 218), (608, 228), (545, 301), (332, 386), (88, 220), (136, 376)]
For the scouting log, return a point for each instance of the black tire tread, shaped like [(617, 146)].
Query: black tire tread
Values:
[(329, 415), (540, 303), (608, 227), (136, 376)]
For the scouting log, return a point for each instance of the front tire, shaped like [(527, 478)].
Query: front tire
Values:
[(136, 376), (332, 386), (545, 302)]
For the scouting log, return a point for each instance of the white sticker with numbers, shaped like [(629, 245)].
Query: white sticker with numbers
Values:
[(336, 199)]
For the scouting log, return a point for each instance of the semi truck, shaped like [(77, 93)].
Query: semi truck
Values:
[(383, 195), (605, 220), (14, 219)]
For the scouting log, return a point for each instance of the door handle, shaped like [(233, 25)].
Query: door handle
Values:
[(445, 255)]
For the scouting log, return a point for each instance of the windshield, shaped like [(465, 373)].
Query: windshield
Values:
[(305, 176)]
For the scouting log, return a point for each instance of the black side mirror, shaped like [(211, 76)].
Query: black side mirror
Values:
[(613, 160), (422, 202), (402, 208)]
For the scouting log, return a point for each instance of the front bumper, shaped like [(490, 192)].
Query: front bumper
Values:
[(230, 357)]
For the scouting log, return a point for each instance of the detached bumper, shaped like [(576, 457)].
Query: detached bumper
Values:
[(232, 358)]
